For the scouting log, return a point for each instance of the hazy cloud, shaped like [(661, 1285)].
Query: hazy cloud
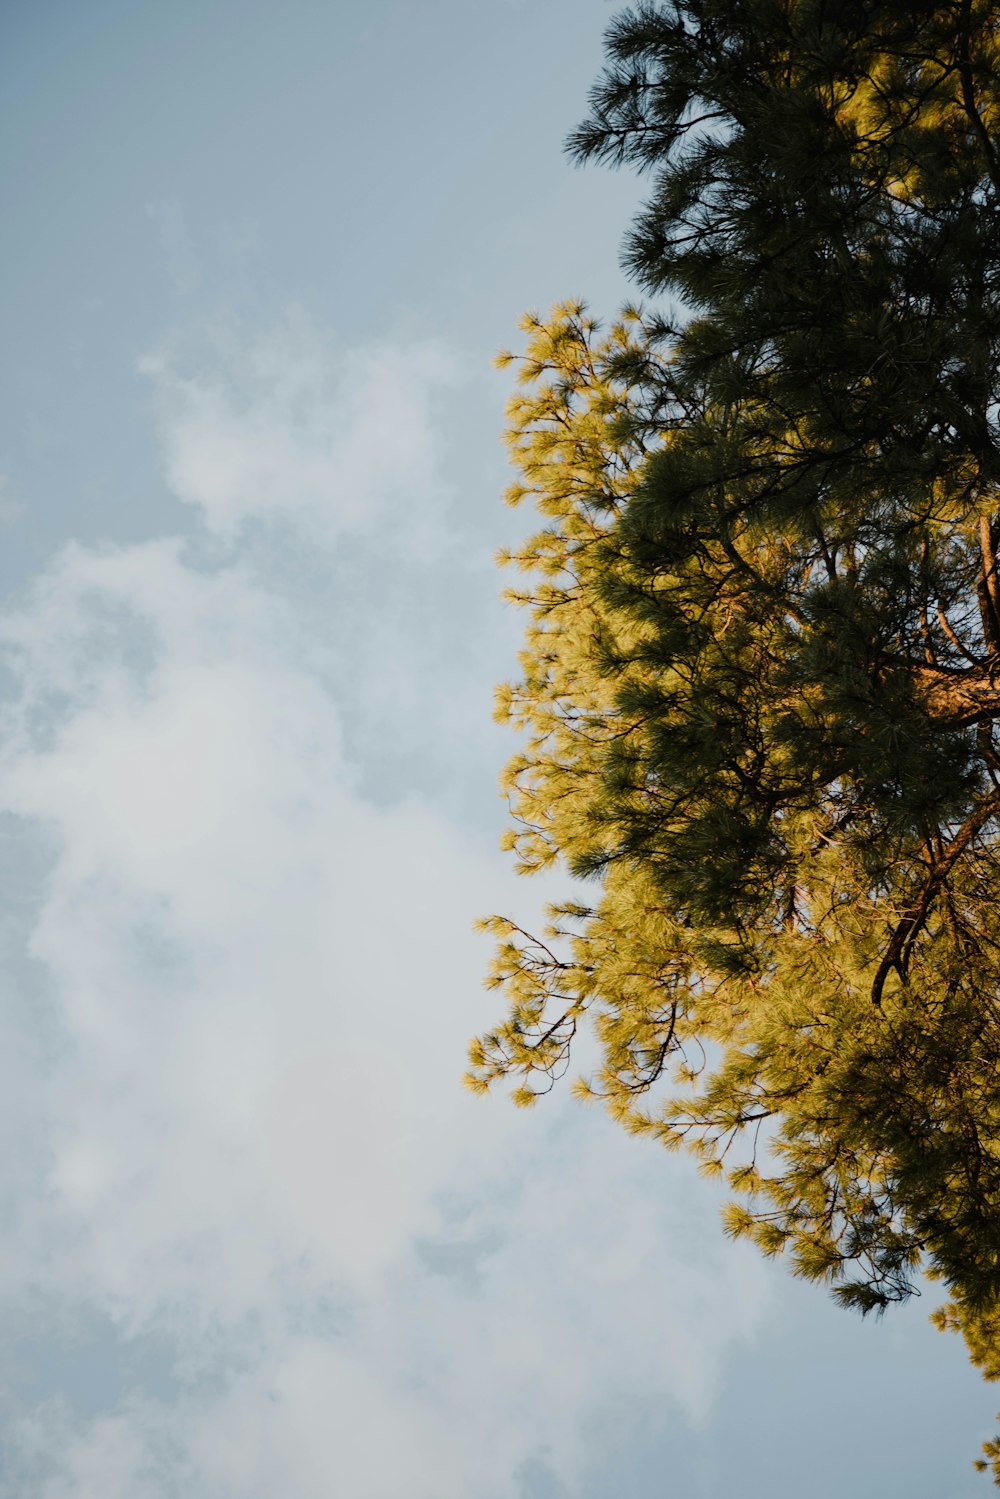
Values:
[(284, 428), (259, 981)]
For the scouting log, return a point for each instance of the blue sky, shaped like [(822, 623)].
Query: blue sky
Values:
[(256, 1239)]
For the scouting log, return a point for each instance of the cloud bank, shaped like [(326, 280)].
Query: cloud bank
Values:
[(243, 977)]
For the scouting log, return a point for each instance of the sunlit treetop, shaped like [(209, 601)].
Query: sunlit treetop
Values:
[(762, 666)]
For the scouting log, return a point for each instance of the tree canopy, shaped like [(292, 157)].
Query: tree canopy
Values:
[(761, 676)]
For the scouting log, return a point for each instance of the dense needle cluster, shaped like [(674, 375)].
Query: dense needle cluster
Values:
[(761, 674)]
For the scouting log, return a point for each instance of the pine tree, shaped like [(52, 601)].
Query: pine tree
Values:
[(762, 670)]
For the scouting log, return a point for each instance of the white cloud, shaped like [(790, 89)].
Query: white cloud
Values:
[(255, 1141), (283, 429)]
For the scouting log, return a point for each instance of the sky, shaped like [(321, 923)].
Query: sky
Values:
[(256, 1240)]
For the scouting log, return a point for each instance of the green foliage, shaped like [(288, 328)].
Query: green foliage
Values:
[(762, 665)]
